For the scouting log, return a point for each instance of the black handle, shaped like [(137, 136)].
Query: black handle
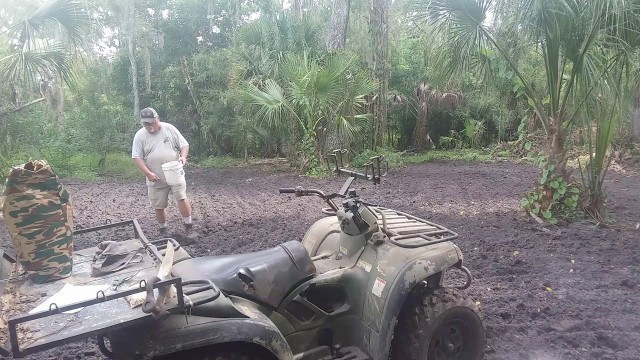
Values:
[(287, 190)]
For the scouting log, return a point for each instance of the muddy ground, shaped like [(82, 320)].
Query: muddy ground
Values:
[(564, 293)]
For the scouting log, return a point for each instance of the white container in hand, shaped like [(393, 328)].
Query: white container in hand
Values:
[(173, 173)]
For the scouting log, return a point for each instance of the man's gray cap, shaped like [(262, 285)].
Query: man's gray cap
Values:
[(148, 114)]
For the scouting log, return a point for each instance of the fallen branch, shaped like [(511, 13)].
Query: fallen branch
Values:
[(30, 103), (536, 218)]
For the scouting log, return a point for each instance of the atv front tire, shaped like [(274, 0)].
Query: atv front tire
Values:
[(438, 324)]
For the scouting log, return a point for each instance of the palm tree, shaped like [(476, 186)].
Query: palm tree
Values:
[(310, 96), (262, 48), (43, 47), (427, 100), (584, 45)]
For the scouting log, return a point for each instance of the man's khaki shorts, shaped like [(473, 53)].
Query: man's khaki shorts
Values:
[(159, 197)]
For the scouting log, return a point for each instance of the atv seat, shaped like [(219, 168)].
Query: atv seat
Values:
[(265, 276)]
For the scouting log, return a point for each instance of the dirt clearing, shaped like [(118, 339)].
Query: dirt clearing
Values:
[(566, 293)]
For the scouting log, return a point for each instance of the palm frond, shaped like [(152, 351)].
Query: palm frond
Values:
[(270, 102), (66, 17), (331, 80), (355, 127), (464, 22), (41, 43), (254, 33), (33, 64)]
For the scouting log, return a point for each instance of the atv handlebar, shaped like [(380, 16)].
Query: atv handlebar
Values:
[(300, 191), (287, 190)]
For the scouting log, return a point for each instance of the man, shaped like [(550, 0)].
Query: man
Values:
[(153, 145)]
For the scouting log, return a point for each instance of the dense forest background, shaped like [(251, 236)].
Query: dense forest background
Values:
[(552, 81)]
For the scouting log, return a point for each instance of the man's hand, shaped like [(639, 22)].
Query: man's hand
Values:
[(183, 160), (152, 176)]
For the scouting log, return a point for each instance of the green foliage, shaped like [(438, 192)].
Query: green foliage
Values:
[(474, 130), (603, 113), (83, 166), (391, 156), (310, 159), (584, 49), (217, 162), (454, 141), (97, 120), (44, 43), (310, 94), (212, 126), (554, 199), (240, 86), (474, 155)]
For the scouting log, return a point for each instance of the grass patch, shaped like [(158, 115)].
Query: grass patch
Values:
[(120, 165), (89, 167), (218, 162), (79, 166), (396, 159), (393, 157), (7, 162), (474, 155)]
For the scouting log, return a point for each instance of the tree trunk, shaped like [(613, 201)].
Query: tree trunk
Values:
[(421, 139), (339, 24), (297, 8), (189, 84), (635, 118), (147, 68), (556, 153), (379, 27), (336, 39), (420, 134), (55, 98), (130, 36)]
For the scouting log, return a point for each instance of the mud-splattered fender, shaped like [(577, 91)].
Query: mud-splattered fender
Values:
[(398, 271), (319, 232), (274, 340), (179, 333)]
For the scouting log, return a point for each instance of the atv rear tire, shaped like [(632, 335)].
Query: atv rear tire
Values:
[(438, 324)]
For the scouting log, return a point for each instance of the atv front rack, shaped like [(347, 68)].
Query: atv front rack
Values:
[(408, 231), (372, 169), (108, 311)]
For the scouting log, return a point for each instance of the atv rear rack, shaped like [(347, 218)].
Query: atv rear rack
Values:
[(108, 311), (408, 231)]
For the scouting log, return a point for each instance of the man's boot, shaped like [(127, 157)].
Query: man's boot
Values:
[(189, 235), (162, 232)]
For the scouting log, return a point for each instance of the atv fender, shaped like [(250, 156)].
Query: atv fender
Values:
[(398, 271), (179, 333), (327, 228)]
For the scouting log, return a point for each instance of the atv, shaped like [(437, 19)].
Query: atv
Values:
[(366, 282)]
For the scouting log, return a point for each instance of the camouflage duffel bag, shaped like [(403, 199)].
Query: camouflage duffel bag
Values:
[(37, 211)]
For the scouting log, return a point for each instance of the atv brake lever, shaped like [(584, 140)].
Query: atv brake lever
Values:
[(287, 190)]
